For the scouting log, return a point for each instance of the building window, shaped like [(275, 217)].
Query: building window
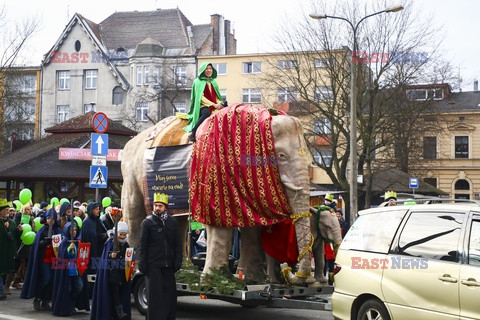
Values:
[(461, 147), (424, 94), (323, 157), (462, 184), (180, 75), (27, 84), (63, 80), (322, 126), (323, 94), (223, 93), (118, 95), (323, 62), (63, 113), (252, 67), (286, 95), (430, 147), (91, 79), (147, 74), (25, 134), (89, 107), (156, 75), (462, 189), (221, 68), (179, 107), (287, 64), (431, 181), (141, 108), (139, 76), (251, 96)]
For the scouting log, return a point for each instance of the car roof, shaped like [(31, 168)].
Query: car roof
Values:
[(448, 206)]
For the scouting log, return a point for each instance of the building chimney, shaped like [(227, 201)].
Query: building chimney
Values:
[(475, 86), (214, 22)]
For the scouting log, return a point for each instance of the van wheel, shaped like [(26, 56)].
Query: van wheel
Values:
[(140, 296), (373, 310)]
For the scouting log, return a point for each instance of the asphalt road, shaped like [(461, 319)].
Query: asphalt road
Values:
[(188, 308)]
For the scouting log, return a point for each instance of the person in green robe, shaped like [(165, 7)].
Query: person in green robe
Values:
[(205, 98), (8, 235)]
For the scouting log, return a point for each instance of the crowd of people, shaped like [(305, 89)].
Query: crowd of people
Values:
[(49, 267)]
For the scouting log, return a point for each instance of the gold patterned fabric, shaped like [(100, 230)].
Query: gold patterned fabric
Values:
[(234, 176)]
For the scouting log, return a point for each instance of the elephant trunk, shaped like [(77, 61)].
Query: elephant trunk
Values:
[(301, 219)]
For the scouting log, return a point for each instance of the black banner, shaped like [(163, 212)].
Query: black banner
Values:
[(166, 172)]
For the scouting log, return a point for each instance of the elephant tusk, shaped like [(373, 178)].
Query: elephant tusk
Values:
[(289, 185)]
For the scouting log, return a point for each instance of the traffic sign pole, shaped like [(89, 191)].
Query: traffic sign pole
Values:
[(99, 151)]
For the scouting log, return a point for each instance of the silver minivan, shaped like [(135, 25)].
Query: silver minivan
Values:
[(410, 262)]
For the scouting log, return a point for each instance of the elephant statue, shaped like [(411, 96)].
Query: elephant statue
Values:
[(290, 164)]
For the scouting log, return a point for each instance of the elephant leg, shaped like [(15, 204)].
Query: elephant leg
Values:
[(133, 209), (251, 254), (219, 242), (271, 263), (183, 229)]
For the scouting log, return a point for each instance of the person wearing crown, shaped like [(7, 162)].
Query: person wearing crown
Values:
[(160, 256), (390, 199)]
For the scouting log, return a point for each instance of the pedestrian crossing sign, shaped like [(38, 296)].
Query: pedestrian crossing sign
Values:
[(98, 176)]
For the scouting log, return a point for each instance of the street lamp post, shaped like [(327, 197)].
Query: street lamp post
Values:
[(353, 107)]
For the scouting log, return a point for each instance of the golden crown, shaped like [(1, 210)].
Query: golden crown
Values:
[(160, 197), (390, 194)]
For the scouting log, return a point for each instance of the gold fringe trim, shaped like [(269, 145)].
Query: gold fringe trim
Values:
[(306, 249), (297, 216), (285, 272), (302, 275)]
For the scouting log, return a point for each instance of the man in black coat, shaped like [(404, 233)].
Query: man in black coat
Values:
[(159, 258)]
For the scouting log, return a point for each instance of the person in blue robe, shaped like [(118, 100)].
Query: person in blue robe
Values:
[(69, 288), (39, 274), (111, 294)]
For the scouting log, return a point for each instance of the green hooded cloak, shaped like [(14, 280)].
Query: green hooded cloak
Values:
[(198, 87)]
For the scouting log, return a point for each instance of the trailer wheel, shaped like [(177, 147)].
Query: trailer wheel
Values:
[(140, 296)]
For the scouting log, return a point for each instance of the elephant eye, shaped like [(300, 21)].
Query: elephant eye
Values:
[(282, 156)]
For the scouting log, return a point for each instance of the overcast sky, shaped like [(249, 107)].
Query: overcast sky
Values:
[(254, 22)]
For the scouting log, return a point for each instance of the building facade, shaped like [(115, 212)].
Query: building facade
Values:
[(137, 67), (19, 106), (451, 153)]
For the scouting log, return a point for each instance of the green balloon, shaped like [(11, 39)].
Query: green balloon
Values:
[(106, 202), (28, 238), (18, 205), (38, 225), (26, 229), (25, 219), (25, 196), (79, 222), (63, 200), (54, 201)]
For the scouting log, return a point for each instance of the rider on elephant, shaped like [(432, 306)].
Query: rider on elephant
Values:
[(205, 98)]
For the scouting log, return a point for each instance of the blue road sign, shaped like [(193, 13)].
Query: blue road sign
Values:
[(99, 144), (98, 176), (414, 183)]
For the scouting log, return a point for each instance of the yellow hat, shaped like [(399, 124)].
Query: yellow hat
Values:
[(390, 194), (160, 197), (329, 197), (3, 204)]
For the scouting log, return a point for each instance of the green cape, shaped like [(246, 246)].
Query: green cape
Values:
[(198, 87)]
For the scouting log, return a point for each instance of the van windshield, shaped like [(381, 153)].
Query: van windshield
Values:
[(373, 232)]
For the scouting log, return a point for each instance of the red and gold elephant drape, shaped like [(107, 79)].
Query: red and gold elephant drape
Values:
[(234, 177)]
